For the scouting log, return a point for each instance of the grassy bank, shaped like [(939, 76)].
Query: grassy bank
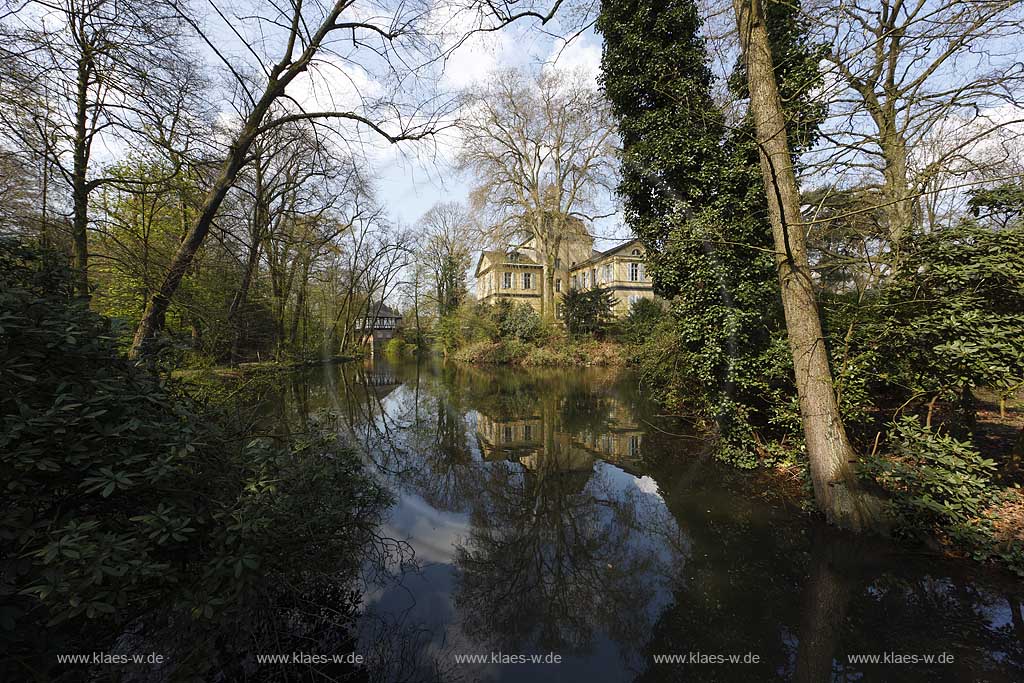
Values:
[(548, 353)]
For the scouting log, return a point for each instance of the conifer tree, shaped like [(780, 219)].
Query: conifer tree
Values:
[(692, 192)]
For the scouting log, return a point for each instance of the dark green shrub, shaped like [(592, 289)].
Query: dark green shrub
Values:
[(470, 323), (638, 324), (124, 497), (517, 321), (949, 320), (588, 311), (937, 482)]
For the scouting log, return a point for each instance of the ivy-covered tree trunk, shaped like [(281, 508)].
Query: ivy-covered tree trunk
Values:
[(831, 456)]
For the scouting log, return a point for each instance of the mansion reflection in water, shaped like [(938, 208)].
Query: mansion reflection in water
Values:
[(543, 441), (522, 494)]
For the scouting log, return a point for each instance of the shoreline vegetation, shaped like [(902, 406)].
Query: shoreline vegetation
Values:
[(819, 219), (558, 353), (953, 488), (142, 507), (167, 506)]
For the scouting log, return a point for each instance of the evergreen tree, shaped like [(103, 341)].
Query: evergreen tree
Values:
[(692, 191), (656, 76)]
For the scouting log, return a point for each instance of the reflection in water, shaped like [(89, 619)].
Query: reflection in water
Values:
[(544, 516)]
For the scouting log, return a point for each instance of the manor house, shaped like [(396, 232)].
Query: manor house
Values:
[(517, 272)]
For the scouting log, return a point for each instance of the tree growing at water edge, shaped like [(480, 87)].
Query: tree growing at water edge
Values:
[(831, 456), (691, 191)]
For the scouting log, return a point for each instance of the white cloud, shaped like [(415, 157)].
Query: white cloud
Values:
[(332, 84), (581, 55), (648, 485), (478, 56)]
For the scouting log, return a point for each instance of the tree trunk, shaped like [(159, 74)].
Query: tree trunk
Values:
[(549, 290), (551, 245), (79, 187), (831, 457), (153, 319), (238, 301), (300, 307), (899, 206)]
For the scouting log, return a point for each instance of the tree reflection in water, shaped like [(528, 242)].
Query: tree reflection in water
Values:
[(529, 499), (546, 543)]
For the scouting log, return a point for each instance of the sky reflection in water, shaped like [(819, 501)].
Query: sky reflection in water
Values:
[(554, 511)]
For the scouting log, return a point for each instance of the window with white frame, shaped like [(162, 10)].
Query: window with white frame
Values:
[(558, 284), (585, 279), (634, 272), (634, 446), (608, 272), (527, 280), (574, 282), (507, 281)]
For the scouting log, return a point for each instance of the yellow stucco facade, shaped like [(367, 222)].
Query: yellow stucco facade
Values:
[(517, 273)]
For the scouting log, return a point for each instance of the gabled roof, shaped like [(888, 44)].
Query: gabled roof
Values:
[(502, 256), (379, 309), (598, 255)]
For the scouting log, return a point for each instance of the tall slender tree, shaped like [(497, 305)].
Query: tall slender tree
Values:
[(446, 253), (695, 194), (691, 191), (829, 451), (93, 68)]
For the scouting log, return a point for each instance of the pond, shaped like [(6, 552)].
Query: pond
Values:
[(556, 528)]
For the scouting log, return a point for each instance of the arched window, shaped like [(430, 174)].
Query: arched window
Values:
[(636, 252)]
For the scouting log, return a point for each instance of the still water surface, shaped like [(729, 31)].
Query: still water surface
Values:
[(553, 512)]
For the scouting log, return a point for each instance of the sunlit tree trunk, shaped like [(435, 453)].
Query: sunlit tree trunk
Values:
[(828, 449)]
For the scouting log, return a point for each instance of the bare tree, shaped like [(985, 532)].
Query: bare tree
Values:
[(447, 234), (828, 449), (540, 149), (308, 37), (93, 71), (19, 192), (908, 75), (284, 196), (366, 271)]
